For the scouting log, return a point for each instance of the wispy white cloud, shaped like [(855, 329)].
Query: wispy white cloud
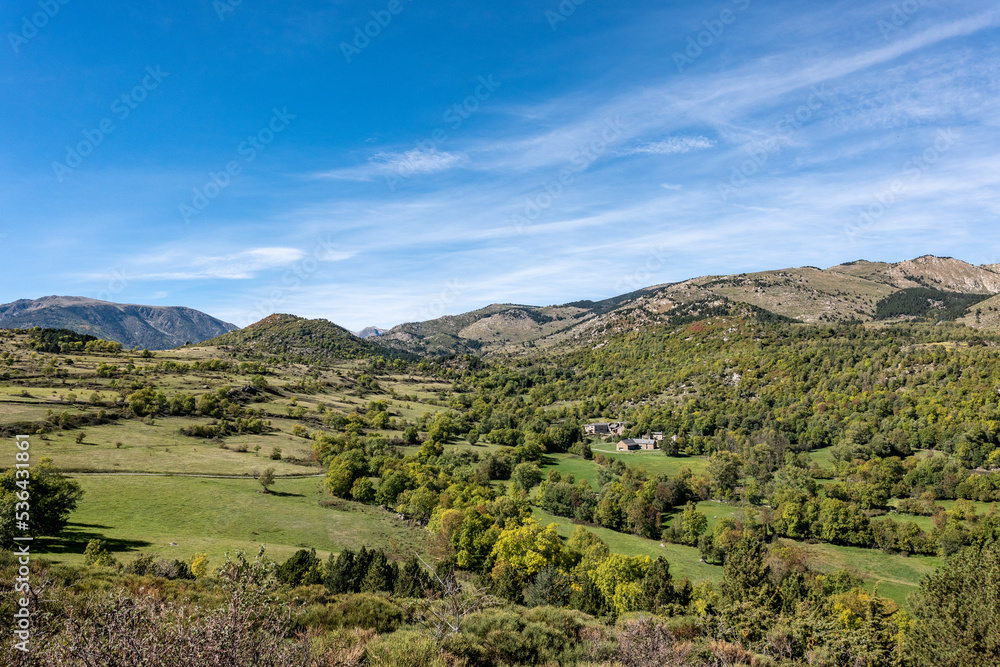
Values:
[(397, 164), (671, 146), (241, 265)]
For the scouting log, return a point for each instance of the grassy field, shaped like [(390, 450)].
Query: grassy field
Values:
[(147, 514), (654, 463), (160, 448), (684, 561), (897, 575)]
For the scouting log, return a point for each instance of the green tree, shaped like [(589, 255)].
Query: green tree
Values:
[(526, 475), (956, 611), (549, 587), (749, 597), (618, 577), (363, 490), (96, 554), (52, 495), (724, 469), (658, 586), (266, 479), (413, 580), (693, 524), (390, 486), (303, 568)]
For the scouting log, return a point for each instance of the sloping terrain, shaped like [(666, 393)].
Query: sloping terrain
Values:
[(152, 327), (846, 292), (296, 338)]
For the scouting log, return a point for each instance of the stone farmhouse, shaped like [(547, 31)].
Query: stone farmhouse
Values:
[(605, 428), (636, 444)]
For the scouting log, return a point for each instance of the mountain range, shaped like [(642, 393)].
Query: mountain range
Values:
[(152, 327), (927, 287), (855, 291)]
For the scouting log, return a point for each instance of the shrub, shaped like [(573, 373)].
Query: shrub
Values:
[(517, 636), (96, 554), (406, 647), (355, 610)]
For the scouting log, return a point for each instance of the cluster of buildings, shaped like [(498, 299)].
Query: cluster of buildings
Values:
[(628, 444)]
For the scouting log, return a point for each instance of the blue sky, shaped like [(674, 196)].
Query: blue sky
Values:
[(395, 160)]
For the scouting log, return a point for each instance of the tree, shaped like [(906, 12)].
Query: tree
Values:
[(199, 565), (96, 554), (363, 490), (266, 479), (526, 475), (658, 586), (549, 587), (413, 581), (957, 616), (339, 575), (390, 486), (53, 496), (693, 524), (750, 599), (341, 475), (381, 574), (302, 568), (724, 472), (618, 578), (529, 547)]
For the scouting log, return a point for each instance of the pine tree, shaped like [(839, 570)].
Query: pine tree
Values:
[(412, 580), (340, 573), (658, 586), (380, 575), (750, 600)]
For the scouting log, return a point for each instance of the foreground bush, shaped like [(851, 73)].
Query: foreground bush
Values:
[(358, 610)]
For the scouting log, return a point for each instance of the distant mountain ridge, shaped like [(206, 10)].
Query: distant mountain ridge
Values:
[(370, 332), (152, 327), (846, 292), (927, 287)]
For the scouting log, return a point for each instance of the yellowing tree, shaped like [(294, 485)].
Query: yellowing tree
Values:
[(618, 577), (529, 547), (199, 565)]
